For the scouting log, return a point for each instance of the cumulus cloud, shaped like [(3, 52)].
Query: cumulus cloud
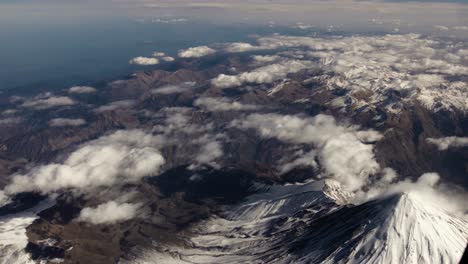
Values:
[(144, 61), (122, 157), (115, 105), (447, 142), (260, 59), (162, 56), (196, 52), (168, 58), (60, 122), (82, 89), (341, 150), (159, 54), (222, 104), (47, 101), (265, 74), (209, 152), (240, 47), (109, 213), (172, 89)]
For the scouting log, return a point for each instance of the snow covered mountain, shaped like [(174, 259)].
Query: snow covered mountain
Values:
[(301, 224)]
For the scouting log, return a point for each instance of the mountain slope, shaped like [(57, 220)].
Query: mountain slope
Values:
[(399, 229)]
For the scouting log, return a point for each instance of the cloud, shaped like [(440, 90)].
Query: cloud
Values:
[(168, 21), (447, 142), (303, 159), (441, 28), (240, 47), (172, 89), (9, 112), (341, 150), (60, 122), (159, 54), (122, 157), (115, 105), (47, 101), (82, 89), (11, 120), (222, 104), (144, 61), (109, 213), (209, 152), (265, 58), (162, 56), (168, 59), (265, 74), (196, 52), (427, 188), (198, 143)]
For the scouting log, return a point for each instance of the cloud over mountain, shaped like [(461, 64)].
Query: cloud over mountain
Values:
[(196, 52), (144, 61), (109, 213), (60, 122), (124, 156)]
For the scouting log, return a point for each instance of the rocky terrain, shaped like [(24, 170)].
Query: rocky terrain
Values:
[(244, 158)]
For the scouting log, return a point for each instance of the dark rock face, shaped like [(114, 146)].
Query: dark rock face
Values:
[(21, 202)]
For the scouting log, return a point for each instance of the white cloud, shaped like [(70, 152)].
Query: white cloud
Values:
[(209, 152), (170, 89), (168, 58), (11, 120), (115, 105), (196, 52), (168, 21), (144, 61), (265, 58), (109, 213), (47, 101), (447, 142), (427, 187), (265, 74), (240, 47), (9, 112), (81, 89), (441, 28), (303, 159), (222, 104), (60, 122), (340, 149), (159, 54), (124, 156)]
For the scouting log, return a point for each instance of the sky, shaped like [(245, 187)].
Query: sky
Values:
[(419, 13)]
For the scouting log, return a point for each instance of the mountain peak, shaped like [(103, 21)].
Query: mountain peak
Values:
[(401, 228)]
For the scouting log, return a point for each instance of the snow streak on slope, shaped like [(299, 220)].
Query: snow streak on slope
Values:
[(300, 224), (13, 239)]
